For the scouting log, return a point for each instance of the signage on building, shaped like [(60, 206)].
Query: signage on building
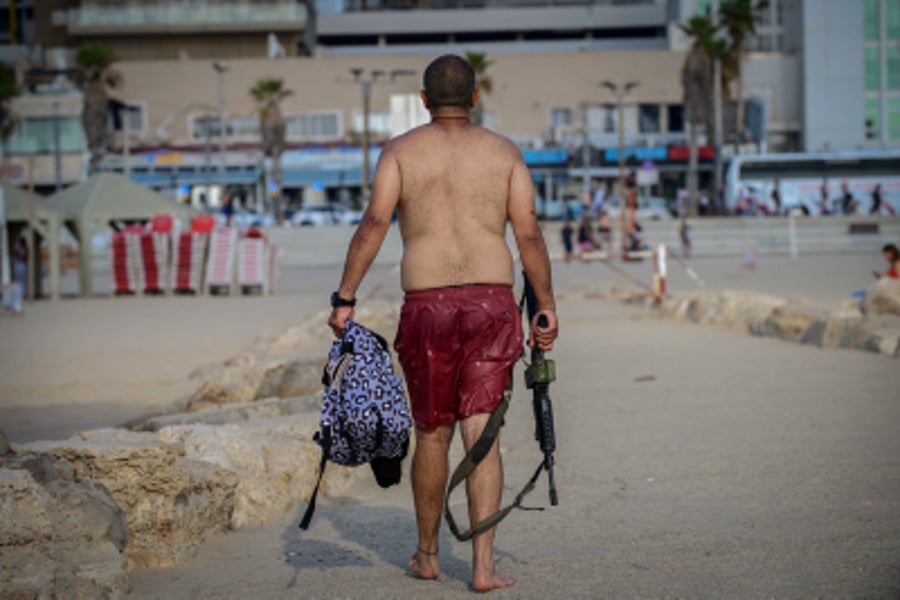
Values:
[(683, 153), (167, 158)]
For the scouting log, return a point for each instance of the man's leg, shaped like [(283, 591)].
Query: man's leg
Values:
[(429, 481), (483, 487)]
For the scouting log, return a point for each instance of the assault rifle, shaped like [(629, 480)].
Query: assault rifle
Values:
[(538, 377)]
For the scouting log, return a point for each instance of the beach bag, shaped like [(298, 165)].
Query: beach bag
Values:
[(365, 415)]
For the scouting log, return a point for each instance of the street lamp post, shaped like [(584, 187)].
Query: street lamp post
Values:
[(366, 83), (57, 148), (620, 95), (220, 70), (718, 196)]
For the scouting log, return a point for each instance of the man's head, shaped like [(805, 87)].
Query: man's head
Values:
[(449, 81), (891, 253)]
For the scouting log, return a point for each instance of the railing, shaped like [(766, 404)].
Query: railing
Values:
[(376, 5), (195, 14)]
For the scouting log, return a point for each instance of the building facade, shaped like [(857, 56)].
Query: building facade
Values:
[(820, 72)]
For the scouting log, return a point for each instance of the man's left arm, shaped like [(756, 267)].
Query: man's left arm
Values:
[(369, 236)]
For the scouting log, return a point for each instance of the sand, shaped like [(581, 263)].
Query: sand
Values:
[(692, 461)]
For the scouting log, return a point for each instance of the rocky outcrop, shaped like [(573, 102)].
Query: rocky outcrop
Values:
[(171, 501), (286, 365), (235, 413), (883, 297), (274, 460), (176, 485), (794, 320), (60, 538)]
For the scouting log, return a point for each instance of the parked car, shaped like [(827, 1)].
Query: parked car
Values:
[(324, 215)]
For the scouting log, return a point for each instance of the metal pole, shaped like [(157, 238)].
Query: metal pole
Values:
[(207, 167), (585, 159), (222, 128), (29, 241), (366, 97), (126, 143), (718, 195), (623, 196), (57, 150)]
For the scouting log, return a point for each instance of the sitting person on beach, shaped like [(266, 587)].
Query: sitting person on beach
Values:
[(892, 256), (585, 236)]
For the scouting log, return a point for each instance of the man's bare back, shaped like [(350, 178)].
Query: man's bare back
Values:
[(453, 205), (455, 186)]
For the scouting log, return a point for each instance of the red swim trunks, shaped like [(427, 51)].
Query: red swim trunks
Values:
[(458, 346)]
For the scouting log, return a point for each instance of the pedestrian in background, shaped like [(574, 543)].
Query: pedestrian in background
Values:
[(685, 235), (776, 199), (585, 236), (567, 232)]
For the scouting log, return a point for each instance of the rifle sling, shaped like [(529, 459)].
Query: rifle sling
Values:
[(468, 464)]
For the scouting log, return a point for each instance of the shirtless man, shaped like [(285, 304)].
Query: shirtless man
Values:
[(454, 186)]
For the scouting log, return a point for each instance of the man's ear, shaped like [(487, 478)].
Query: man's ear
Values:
[(424, 98), (476, 96)]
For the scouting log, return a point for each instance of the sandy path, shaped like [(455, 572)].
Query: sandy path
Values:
[(81, 363), (748, 467)]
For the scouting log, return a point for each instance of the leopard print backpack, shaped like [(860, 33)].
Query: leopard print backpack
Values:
[(365, 415)]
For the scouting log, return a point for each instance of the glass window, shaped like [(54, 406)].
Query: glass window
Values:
[(873, 69), (133, 115), (560, 117), (893, 118), (203, 126), (893, 67), (873, 119), (378, 122), (244, 127), (892, 19), (870, 19), (648, 118), (676, 117), (36, 136), (321, 126)]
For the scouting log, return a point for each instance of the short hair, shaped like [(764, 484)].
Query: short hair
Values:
[(892, 249), (449, 81)]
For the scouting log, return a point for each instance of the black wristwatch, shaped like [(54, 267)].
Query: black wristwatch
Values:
[(337, 301)]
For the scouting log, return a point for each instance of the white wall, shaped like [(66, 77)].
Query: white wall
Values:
[(833, 75)]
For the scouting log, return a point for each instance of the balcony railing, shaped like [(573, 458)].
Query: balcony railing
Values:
[(193, 15), (338, 6)]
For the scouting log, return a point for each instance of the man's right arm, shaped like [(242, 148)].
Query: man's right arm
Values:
[(532, 250)]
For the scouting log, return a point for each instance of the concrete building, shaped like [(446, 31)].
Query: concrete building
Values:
[(804, 73)]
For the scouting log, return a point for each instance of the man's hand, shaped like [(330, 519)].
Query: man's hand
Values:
[(544, 336), (338, 319)]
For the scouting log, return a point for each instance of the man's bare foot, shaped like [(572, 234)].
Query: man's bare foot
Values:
[(424, 565), (494, 581)]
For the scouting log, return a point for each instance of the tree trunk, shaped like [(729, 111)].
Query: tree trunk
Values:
[(739, 119), (692, 178), (95, 120), (277, 175)]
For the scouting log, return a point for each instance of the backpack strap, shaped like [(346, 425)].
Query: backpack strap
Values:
[(471, 460), (311, 507)]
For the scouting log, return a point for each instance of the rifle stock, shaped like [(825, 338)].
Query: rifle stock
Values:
[(538, 377)]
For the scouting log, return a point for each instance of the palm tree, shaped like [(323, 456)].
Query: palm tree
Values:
[(9, 90), (483, 81), (696, 82), (739, 19), (268, 94), (97, 77)]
